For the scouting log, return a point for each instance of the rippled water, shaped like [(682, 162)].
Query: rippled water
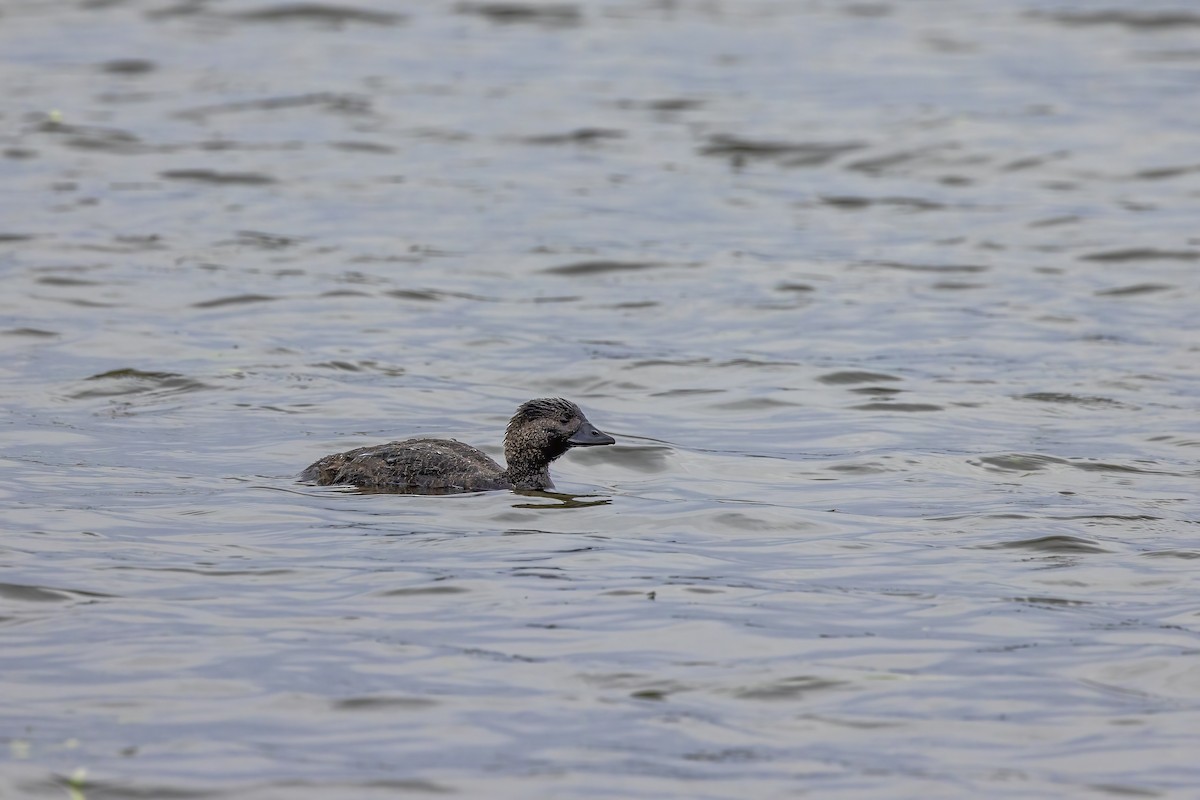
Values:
[(892, 308)]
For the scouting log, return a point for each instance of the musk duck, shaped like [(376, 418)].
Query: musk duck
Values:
[(540, 431)]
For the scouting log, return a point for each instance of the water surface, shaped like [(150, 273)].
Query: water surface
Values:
[(891, 308)]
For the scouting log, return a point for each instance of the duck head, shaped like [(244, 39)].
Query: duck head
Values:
[(541, 431)]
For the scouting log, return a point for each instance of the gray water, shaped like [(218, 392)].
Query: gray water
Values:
[(893, 309)]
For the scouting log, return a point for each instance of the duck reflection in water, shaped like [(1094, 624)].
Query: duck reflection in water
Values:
[(540, 431)]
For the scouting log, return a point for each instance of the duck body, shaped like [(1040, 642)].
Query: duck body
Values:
[(421, 466), (540, 431)]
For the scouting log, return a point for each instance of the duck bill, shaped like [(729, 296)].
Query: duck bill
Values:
[(588, 436)]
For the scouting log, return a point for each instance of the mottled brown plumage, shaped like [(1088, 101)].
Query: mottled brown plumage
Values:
[(540, 431)]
